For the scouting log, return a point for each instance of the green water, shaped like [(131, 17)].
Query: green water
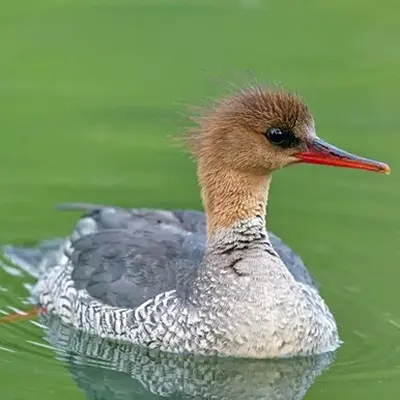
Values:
[(91, 91)]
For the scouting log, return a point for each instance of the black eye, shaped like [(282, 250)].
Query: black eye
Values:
[(282, 138), (276, 135)]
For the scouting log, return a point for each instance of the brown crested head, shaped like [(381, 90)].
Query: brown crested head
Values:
[(259, 129), (255, 130)]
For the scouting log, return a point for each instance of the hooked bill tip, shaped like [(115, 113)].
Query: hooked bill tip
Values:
[(386, 169)]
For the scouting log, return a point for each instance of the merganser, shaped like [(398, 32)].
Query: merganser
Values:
[(213, 284)]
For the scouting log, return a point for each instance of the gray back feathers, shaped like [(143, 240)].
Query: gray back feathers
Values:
[(125, 257)]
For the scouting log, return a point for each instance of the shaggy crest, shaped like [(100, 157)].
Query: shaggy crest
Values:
[(253, 109)]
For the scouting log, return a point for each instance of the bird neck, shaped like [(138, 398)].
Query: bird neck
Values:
[(230, 197)]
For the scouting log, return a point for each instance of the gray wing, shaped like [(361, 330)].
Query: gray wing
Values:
[(124, 257)]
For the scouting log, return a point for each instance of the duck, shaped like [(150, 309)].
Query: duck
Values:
[(216, 283)]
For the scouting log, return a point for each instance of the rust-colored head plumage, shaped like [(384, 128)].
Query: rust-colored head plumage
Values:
[(235, 129)]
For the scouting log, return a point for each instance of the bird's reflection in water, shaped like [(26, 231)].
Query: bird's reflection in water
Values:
[(107, 370)]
